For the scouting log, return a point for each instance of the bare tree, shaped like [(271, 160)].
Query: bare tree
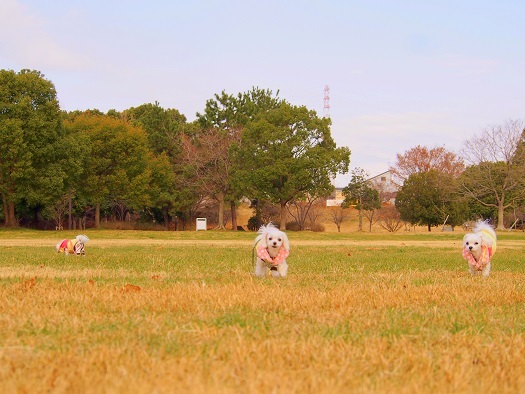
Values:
[(338, 216), (207, 158), (496, 176), (421, 159), (316, 212), (372, 216), (303, 210), (390, 219)]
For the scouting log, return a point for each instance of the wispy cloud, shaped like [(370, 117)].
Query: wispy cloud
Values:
[(25, 39)]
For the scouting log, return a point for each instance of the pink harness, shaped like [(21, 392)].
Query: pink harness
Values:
[(263, 254), (486, 254)]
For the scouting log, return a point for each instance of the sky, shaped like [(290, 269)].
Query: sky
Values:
[(400, 73)]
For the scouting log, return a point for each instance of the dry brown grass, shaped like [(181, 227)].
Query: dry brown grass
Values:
[(334, 325)]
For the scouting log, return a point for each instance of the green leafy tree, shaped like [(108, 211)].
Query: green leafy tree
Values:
[(428, 198), (75, 146), (162, 190), (117, 167), (232, 113), (209, 150), (165, 129), (31, 135), (360, 194), (288, 154)]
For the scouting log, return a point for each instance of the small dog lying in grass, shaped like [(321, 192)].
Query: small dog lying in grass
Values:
[(478, 248), (73, 246), (273, 248)]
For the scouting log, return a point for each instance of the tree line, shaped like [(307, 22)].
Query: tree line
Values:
[(149, 163), (152, 163), (437, 187)]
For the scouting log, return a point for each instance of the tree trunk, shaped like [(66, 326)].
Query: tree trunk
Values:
[(284, 213), (10, 215), (429, 228), (360, 228), (97, 215), (166, 218), (70, 211), (501, 213), (5, 209), (234, 215), (220, 224)]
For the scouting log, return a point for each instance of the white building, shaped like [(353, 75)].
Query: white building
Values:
[(381, 182)]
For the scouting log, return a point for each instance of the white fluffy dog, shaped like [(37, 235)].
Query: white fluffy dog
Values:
[(478, 247), (72, 246), (273, 248)]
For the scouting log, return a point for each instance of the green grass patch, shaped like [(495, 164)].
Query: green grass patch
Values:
[(358, 312)]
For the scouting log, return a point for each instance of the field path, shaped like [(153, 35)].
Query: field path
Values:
[(39, 242)]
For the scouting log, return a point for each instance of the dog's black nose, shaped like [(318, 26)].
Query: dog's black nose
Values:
[(470, 248)]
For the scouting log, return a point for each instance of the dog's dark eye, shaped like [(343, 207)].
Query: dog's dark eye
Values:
[(475, 243), (270, 238), (279, 239), (466, 243)]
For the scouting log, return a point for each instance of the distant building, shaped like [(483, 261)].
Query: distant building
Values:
[(386, 188), (381, 182), (336, 199)]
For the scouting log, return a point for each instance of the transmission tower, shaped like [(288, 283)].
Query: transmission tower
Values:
[(326, 108)]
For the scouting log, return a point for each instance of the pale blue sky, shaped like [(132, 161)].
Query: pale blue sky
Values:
[(401, 73)]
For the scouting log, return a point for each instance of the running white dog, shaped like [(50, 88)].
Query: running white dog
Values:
[(72, 246), (478, 248), (273, 248)]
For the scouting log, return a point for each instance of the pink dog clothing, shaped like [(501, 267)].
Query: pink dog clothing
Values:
[(486, 254), (67, 244), (263, 254)]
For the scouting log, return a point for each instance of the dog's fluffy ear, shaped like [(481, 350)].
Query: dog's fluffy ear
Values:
[(261, 238), (286, 243), (465, 238)]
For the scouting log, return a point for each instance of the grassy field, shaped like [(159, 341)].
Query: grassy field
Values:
[(170, 312)]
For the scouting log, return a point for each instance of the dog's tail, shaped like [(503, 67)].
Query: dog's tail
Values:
[(82, 238), (487, 233)]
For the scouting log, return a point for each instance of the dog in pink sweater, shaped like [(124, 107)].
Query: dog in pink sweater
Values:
[(478, 248), (273, 248)]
